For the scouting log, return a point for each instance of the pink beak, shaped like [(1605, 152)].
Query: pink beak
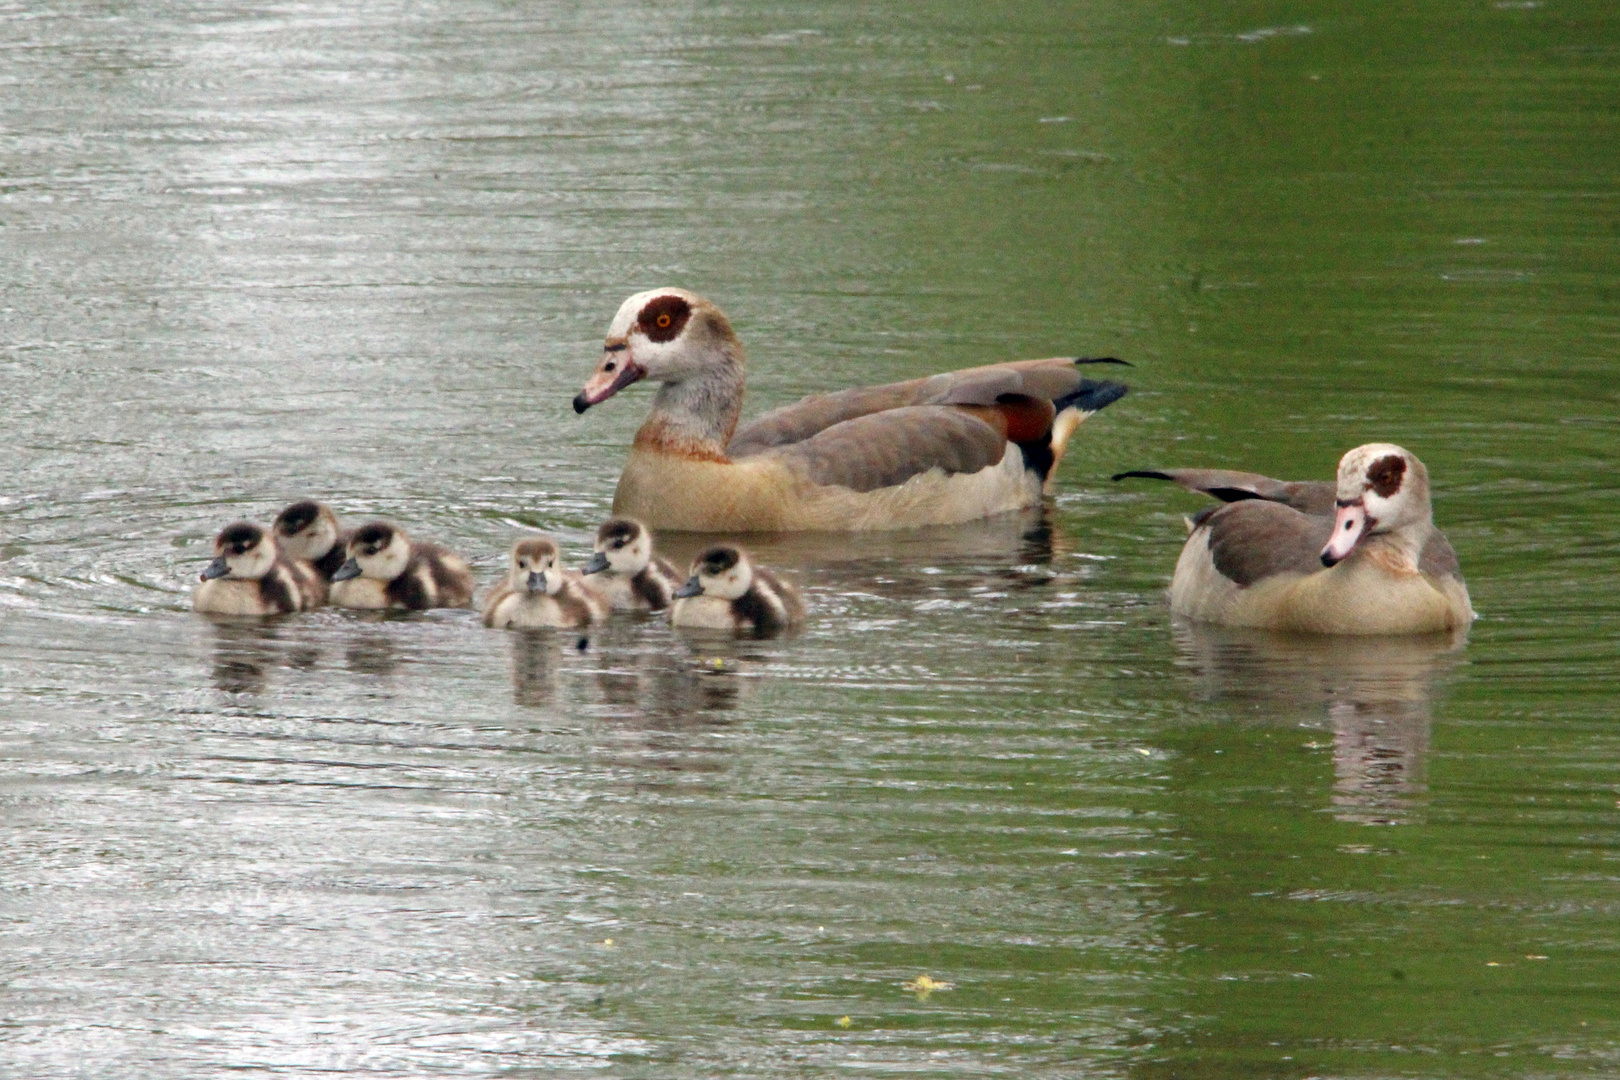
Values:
[(1349, 525), (614, 373)]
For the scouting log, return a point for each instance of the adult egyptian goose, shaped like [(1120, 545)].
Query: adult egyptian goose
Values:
[(539, 593), (1359, 557), (251, 576), (932, 451), (386, 569), (728, 592), (309, 530), (633, 578)]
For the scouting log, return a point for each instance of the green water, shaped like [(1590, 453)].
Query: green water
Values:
[(369, 253)]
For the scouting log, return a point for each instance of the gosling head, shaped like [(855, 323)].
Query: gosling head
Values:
[(623, 546), (306, 530), (722, 571), (242, 551), (378, 551), (666, 335), (1382, 488), (534, 566)]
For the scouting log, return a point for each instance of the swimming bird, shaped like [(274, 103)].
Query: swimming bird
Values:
[(633, 578), (537, 592), (728, 592), (1360, 556), (386, 569), (933, 451), (250, 576), (309, 530)]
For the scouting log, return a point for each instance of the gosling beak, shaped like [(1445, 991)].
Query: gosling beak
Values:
[(350, 569), (537, 581), (215, 569), (614, 373), (693, 587), (1349, 526), (597, 564)]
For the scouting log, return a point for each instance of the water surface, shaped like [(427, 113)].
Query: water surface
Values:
[(368, 255)]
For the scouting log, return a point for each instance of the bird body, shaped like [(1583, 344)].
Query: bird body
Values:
[(726, 591), (1359, 556), (309, 530), (387, 570), (933, 451), (625, 569), (251, 576), (538, 593)]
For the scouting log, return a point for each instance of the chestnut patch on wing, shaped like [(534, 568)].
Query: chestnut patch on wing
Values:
[(664, 317), (1384, 475)]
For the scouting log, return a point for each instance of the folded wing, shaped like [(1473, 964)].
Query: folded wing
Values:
[(1306, 496), (1055, 382)]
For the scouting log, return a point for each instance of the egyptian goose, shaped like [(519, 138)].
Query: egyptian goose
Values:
[(309, 530), (386, 569), (1360, 557), (250, 576), (633, 578), (932, 451), (537, 592), (728, 592)]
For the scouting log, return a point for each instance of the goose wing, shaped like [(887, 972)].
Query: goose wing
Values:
[(1255, 538), (885, 449), (1307, 496), (1054, 384)]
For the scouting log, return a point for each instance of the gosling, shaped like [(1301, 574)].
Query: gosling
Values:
[(727, 592), (539, 593), (633, 578), (251, 576), (387, 570), (309, 530)]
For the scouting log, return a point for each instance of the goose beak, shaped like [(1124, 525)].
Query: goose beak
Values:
[(693, 587), (1349, 526), (350, 569), (215, 569), (537, 581), (614, 373), (598, 563)]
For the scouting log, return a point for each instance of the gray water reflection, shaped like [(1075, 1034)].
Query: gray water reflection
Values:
[(1376, 694)]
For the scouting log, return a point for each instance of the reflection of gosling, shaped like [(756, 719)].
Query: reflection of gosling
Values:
[(387, 569), (537, 592), (249, 576), (632, 576), (727, 592), (309, 530)]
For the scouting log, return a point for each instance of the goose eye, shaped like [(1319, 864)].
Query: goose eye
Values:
[(608, 366), (663, 321)]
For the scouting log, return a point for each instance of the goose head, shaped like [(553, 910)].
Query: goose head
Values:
[(534, 566), (723, 571), (623, 545), (242, 551), (1382, 489), (306, 530), (667, 335), (378, 551)]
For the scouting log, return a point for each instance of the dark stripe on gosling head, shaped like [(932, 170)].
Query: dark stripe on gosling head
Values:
[(297, 517), (239, 537)]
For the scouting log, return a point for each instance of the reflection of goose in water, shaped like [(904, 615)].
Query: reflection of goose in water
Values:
[(1377, 691), (244, 653), (534, 667)]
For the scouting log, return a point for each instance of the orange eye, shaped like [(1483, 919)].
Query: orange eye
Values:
[(663, 321)]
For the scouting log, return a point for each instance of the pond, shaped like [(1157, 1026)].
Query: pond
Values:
[(368, 254)]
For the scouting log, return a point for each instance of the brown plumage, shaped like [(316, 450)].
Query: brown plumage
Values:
[(937, 450), (1360, 556)]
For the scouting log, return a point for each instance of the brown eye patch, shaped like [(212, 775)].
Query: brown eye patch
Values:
[(1384, 475), (664, 317)]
